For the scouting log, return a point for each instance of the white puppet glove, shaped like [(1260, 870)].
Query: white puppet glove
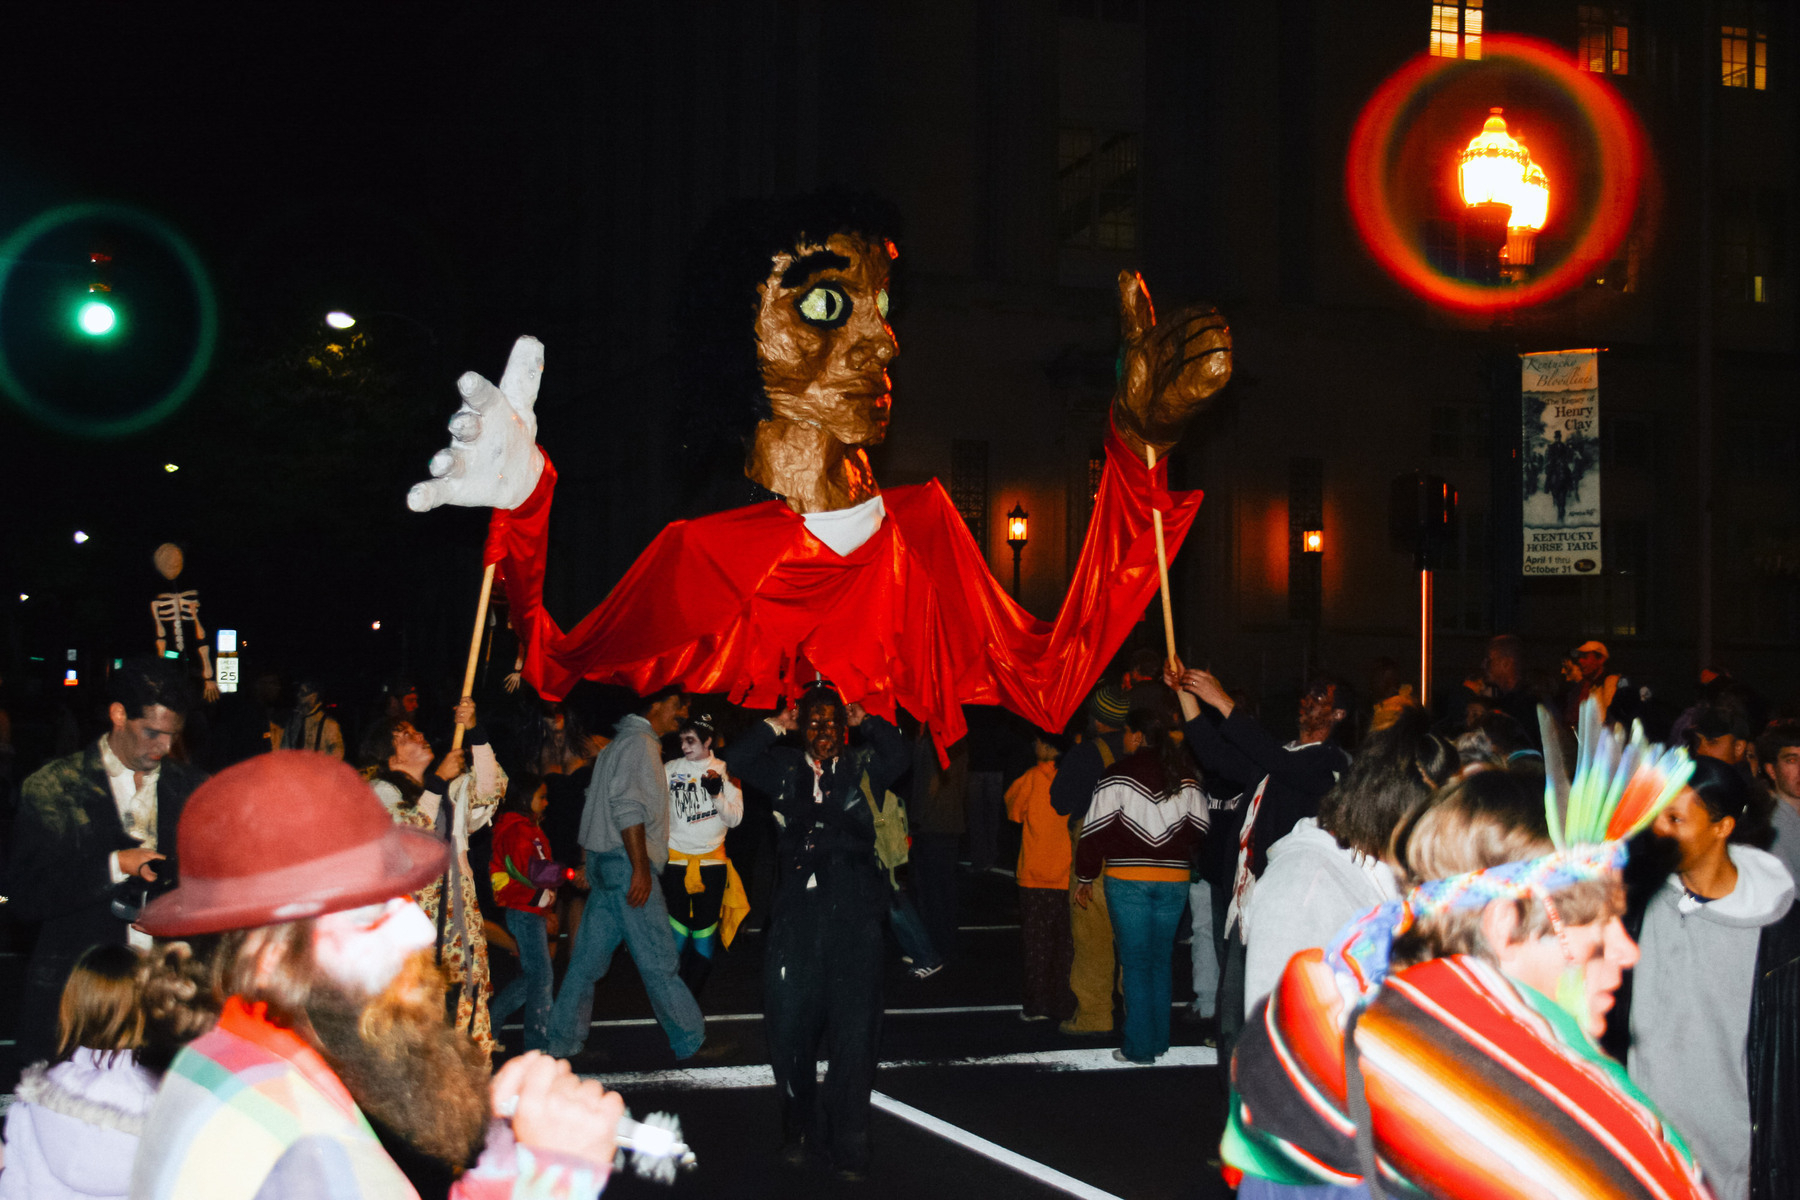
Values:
[(492, 460)]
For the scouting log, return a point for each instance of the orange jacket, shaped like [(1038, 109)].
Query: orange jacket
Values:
[(1047, 851)]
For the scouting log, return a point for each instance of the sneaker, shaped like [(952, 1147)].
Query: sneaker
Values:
[(1025, 1016), (925, 972)]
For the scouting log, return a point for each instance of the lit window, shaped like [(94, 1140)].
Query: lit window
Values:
[(1604, 45), (969, 487), (1456, 29), (1751, 258), (1097, 189), (1744, 45)]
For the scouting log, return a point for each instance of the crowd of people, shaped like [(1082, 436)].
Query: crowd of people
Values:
[(242, 977)]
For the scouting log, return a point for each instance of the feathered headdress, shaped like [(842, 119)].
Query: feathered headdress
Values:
[(1618, 788)]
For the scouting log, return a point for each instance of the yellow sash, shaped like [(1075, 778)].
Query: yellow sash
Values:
[(736, 904)]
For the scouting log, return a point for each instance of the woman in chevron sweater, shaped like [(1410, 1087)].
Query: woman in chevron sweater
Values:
[(1147, 820), (1443, 1044)]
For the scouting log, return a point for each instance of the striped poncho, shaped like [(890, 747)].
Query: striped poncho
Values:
[(1479, 1088)]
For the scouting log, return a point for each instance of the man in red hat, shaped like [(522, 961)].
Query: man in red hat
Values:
[(332, 1024)]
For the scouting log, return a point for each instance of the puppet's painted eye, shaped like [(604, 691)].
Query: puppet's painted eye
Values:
[(825, 305), (881, 303)]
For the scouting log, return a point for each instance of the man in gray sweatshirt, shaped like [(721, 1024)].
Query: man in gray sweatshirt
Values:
[(1691, 993), (625, 831)]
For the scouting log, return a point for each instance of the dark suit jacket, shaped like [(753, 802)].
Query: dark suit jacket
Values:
[(1237, 753), (66, 828)]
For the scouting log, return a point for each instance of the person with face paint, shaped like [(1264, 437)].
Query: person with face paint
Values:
[(706, 898), (823, 952), (1713, 1010), (810, 567), (331, 1062), (95, 833), (311, 727)]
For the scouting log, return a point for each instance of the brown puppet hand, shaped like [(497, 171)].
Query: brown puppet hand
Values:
[(1171, 368)]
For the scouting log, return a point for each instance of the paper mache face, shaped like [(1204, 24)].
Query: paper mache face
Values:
[(168, 560), (823, 341)]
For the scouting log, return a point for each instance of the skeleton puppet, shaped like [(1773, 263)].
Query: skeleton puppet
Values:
[(883, 592), (174, 613)]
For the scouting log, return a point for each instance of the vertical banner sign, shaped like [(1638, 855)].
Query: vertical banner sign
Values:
[(1561, 462)]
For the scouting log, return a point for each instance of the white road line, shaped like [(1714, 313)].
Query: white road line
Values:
[(629, 1022), (987, 1149), (759, 1076)]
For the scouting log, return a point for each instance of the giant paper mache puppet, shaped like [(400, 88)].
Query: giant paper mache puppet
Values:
[(883, 592)]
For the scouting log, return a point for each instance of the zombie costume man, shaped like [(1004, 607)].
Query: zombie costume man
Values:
[(884, 592), (332, 1029), (95, 832), (822, 963)]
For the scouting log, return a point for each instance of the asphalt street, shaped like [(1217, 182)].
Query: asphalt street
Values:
[(970, 1100)]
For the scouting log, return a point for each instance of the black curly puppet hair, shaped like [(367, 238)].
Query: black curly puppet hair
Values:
[(729, 259)]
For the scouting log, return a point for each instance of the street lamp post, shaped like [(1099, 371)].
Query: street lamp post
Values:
[(1017, 534), (1496, 169)]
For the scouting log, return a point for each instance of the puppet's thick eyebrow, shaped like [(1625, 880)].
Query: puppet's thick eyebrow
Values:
[(812, 264)]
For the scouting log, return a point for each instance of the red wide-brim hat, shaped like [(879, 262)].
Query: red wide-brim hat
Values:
[(285, 836)]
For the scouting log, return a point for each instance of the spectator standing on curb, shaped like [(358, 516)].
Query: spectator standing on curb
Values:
[(1046, 854)]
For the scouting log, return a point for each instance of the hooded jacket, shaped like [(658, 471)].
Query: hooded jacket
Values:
[(1691, 1003), (1310, 888), (73, 1130)]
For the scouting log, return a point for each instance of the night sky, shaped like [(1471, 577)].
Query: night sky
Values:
[(313, 160)]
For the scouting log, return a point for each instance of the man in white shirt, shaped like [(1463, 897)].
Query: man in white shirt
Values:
[(95, 836)]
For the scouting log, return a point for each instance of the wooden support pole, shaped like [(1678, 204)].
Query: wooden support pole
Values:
[(481, 609), (1190, 707)]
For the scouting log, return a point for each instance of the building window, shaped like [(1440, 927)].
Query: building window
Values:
[(1615, 603), (1097, 188), (1628, 440), (1456, 29), (1744, 45), (1604, 43), (1752, 255), (1461, 584), (1459, 431), (1122, 11), (969, 487)]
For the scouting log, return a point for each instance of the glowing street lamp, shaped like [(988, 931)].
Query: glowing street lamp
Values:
[(96, 318), (1312, 541), (1497, 169), (339, 320), (1017, 534)]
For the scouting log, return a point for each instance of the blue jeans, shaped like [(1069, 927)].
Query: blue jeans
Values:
[(531, 990), (1145, 914), (909, 931), (605, 922)]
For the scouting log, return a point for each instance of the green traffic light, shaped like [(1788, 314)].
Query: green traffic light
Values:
[(96, 318)]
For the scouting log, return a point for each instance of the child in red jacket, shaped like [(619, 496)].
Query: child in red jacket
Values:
[(525, 879)]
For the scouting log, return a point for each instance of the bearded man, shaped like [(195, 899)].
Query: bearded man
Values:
[(822, 958), (817, 571), (331, 1035)]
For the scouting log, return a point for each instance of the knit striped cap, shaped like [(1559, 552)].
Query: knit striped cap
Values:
[(1109, 705)]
